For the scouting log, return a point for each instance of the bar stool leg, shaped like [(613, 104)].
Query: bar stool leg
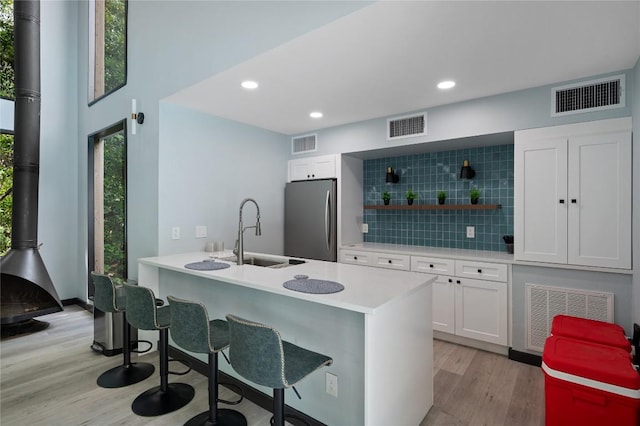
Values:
[(215, 416), (167, 397), (128, 373), (278, 407)]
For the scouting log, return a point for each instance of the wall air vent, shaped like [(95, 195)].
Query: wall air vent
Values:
[(303, 144), (545, 302), (588, 96), (407, 126)]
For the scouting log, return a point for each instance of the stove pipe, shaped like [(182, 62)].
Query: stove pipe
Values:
[(26, 289)]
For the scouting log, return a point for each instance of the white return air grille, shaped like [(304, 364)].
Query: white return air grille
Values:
[(594, 95), (545, 302), (407, 126), (305, 143)]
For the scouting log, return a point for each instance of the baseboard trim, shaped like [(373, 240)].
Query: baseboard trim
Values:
[(76, 301), (252, 394), (525, 358)]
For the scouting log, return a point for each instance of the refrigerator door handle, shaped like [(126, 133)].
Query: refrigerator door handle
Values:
[(327, 220)]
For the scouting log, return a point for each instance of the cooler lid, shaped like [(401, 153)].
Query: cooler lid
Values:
[(592, 330), (606, 364)]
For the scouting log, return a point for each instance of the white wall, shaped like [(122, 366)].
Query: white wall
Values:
[(208, 165), (635, 99), (58, 200)]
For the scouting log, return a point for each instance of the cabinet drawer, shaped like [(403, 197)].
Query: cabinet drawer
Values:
[(356, 257), (481, 270), (393, 261), (432, 265)]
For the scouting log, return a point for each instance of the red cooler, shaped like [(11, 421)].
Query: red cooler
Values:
[(590, 330), (587, 383)]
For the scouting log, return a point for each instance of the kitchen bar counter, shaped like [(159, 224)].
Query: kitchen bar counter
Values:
[(377, 330)]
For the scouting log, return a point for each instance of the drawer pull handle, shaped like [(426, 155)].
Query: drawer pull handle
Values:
[(561, 201), (389, 260), (355, 257), (457, 281), (430, 266), (450, 280), (574, 201), (479, 271)]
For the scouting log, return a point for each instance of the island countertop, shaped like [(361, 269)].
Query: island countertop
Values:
[(365, 289)]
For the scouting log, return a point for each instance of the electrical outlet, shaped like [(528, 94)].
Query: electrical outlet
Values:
[(175, 233), (201, 232), (365, 228), (471, 232), (332, 384)]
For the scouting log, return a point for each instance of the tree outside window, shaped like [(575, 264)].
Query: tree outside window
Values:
[(7, 91)]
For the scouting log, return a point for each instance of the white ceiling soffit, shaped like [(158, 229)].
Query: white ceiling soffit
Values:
[(387, 58)]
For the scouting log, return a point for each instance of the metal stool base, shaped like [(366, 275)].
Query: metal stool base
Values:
[(225, 418), (123, 375), (155, 402)]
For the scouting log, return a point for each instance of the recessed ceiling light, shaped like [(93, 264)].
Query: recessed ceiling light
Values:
[(316, 114), (447, 84), (248, 84)]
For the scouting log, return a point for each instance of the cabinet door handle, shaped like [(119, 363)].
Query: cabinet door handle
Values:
[(308, 176), (313, 175), (479, 271), (574, 201), (355, 257), (430, 266), (457, 281), (390, 261), (450, 280), (561, 201)]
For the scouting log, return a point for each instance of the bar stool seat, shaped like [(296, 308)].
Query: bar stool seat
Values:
[(110, 298), (192, 330), (259, 354), (145, 315)]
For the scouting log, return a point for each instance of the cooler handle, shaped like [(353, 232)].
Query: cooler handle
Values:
[(589, 397)]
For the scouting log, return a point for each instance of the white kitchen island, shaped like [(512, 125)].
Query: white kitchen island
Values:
[(377, 330)]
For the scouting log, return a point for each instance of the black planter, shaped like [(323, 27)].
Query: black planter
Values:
[(474, 200), (410, 201), (441, 200), (386, 202)]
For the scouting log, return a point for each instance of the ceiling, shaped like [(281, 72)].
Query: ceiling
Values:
[(386, 59)]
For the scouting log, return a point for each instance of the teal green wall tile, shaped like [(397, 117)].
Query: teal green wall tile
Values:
[(427, 174)]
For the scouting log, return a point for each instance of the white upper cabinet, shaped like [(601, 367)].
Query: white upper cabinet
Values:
[(573, 194), (308, 168)]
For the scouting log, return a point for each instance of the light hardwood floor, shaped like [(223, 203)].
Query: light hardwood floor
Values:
[(48, 378)]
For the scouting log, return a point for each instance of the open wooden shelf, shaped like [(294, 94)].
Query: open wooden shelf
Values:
[(433, 207)]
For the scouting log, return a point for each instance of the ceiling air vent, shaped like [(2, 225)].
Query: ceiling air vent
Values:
[(407, 126), (305, 143), (594, 95)]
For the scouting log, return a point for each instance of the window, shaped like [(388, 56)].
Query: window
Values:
[(107, 47), (108, 202)]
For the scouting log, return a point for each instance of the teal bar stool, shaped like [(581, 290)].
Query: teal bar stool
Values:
[(108, 297), (143, 314), (259, 354), (192, 330)]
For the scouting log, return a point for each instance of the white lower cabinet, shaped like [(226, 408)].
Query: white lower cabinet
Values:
[(400, 262), (481, 310), (475, 308)]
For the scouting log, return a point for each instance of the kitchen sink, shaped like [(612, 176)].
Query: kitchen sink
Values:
[(265, 262)]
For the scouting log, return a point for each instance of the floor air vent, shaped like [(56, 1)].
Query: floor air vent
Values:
[(306, 143), (407, 126), (594, 95), (545, 302)]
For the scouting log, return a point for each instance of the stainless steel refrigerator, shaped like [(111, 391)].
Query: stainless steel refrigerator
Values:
[(310, 219)]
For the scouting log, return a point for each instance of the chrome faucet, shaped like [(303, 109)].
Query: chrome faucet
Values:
[(239, 250)]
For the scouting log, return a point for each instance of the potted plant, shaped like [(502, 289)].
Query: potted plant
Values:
[(386, 197), (441, 197), (411, 196), (474, 195)]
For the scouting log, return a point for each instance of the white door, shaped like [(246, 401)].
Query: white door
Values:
[(481, 310), (540, 202), (300, 169), (599, 209)]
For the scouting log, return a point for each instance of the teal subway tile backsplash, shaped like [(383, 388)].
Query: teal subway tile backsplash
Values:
[(426, 174)]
